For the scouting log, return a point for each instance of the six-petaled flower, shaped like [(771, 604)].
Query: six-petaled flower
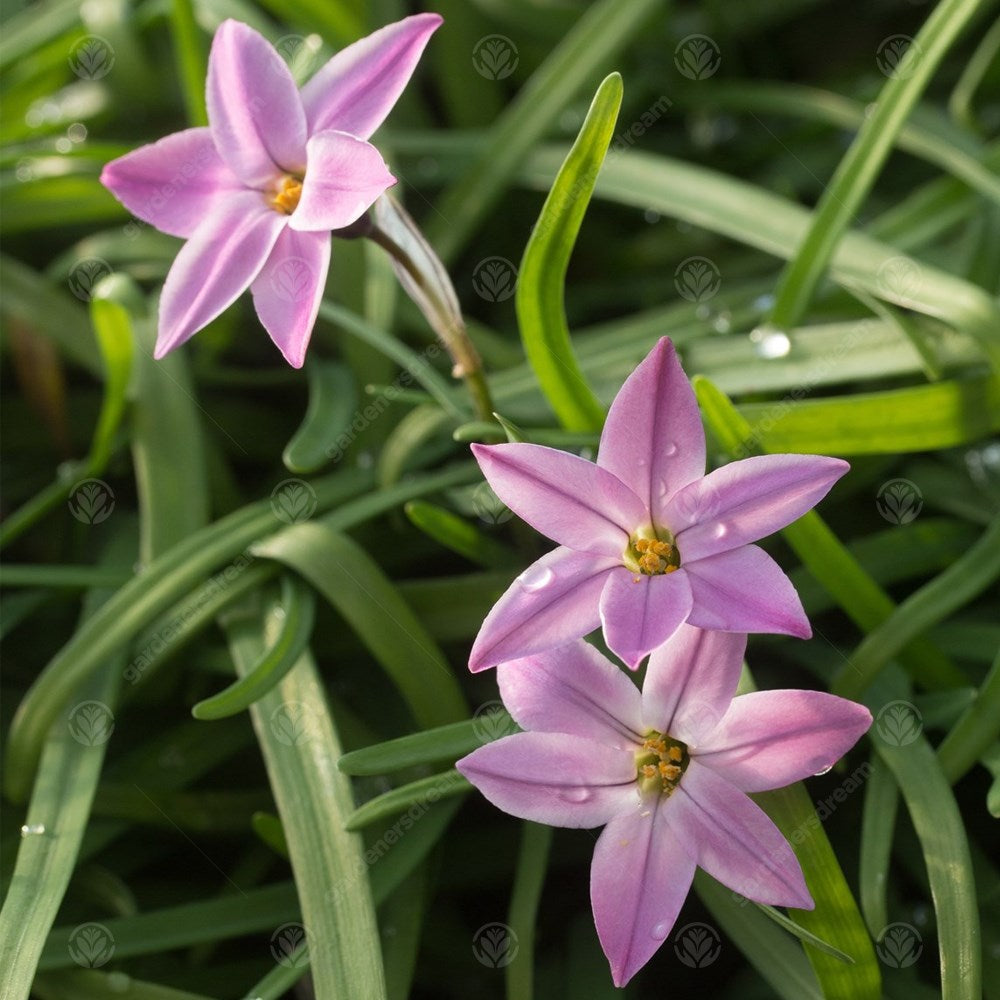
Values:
[(647, 540), (667, 770)]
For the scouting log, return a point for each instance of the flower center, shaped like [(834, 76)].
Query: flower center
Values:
[(652, 554), (659, 763), (286, 197)]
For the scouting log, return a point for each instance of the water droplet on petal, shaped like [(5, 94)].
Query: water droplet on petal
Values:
[(32, 829), (661, 930), (663, 489), (721, 530), (825, 770), (670, 449), (575, 794), (536, 577)]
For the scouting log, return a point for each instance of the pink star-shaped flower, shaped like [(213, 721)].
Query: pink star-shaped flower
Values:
[(666, 769), (257, 192), (647, 540)]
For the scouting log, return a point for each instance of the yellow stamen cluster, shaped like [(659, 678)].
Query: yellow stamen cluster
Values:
[(286, 198), (655, 556), (660, 763)]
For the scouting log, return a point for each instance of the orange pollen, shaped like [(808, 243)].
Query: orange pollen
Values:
[(660, 763), (286, 199), (655, 556)]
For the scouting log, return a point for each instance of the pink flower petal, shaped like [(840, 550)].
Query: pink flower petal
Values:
[(358, 87), (216, 265), (553, 601), (744, 590), (641, 612), (769, 739), (639, 878), (554, 778), (288, 290), (735, 841), (254, 108), (747, 500), (571, 500), (690, 682), (343, 178), (573, 689), (172, 184), (653, 440)]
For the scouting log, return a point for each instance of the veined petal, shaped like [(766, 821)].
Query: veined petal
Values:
[(358, 87), (641, 612), (288, 290), (216, 265), (639, 878), (690, 682), (573, 689), (254, 109), (172, 184), (343, 178), (553, 778), (744, 590), (653, 440), (735, 840), (573, 501), (747, 500), (769, 739), (553, 601)]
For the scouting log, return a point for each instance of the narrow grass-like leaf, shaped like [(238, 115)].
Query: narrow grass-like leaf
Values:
[(57, 817), (299, 606), (749, 214), (332, 402), (541, 312), (857, 171), (836, 919), (268, 827), (777, 956), (943, 842), (402, 923), (600, 32), (457, 534), (976, 68), (93, 984), (975, 731), (821, 551), (173, 927), (802, 934), (431, 745), (878, 824), (355, 585), (948, 591), (300, 748), (113, 329), (191, 56), (529, 877), (420, 793)]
